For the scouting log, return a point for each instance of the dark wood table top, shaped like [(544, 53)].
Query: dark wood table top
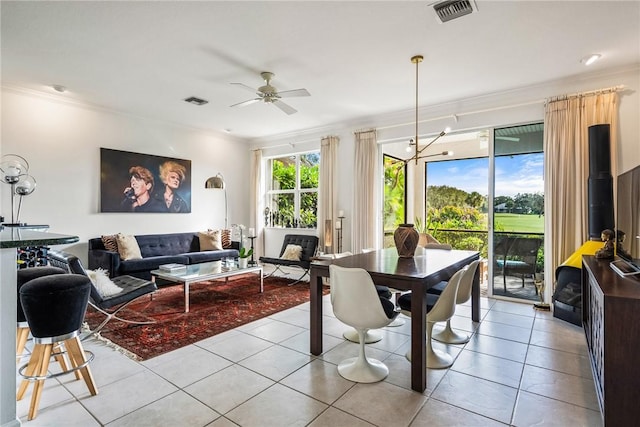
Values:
[(385, 265)]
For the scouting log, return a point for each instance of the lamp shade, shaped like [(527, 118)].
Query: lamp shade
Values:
[(215, 182)]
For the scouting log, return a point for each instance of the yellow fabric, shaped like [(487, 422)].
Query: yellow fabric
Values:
[(588, 248)]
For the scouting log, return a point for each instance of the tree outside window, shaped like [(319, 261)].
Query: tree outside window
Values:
[(292, 199), (394, 197)]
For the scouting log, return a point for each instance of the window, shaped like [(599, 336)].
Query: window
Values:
[(394, 197), (292, 196)]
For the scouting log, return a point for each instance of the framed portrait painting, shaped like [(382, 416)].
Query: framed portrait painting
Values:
[(135, 182)]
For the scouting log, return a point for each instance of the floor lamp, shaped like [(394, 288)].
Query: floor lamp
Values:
[(217, 183)]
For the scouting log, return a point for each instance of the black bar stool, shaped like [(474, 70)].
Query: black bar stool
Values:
[(54, 307), (22, 327)]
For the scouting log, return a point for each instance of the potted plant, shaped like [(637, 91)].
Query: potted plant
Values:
[(243, 257)]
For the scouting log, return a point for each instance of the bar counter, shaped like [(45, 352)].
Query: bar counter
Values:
[(12, 238)]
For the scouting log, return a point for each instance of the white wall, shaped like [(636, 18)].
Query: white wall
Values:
[(62, 140), (523, 105), (62, 143)]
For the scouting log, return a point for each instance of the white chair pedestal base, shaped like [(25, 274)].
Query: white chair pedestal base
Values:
[(365, 370), (371, 336), (436, 359), (449, 336), (398, 321)]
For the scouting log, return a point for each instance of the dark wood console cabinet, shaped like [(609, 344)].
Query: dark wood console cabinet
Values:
[(611, 321)]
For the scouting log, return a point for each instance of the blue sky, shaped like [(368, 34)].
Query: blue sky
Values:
[(514, 174)]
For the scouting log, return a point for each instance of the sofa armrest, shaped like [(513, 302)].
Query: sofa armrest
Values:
[(109, 261)]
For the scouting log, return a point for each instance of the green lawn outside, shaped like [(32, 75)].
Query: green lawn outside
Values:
[(518, 222)]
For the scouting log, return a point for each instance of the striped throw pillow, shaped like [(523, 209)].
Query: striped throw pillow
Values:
[(110, 243)]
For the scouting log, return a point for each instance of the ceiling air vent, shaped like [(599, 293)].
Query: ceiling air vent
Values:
[(452, 9), (196, 101)]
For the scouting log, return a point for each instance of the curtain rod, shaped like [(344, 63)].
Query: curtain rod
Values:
[(617, 88)]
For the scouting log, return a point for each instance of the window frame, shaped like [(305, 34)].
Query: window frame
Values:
[(297, 191)]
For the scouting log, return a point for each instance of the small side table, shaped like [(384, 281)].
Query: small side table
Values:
[(252, 261)]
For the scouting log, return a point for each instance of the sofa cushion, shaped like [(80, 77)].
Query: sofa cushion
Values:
[(168, 244), (206, 256), (151, 263)]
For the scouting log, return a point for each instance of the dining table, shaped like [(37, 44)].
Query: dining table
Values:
[(416, 274)]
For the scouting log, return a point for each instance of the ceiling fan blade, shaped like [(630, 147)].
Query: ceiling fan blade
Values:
[(244, 86), (245, 103), (284, 107), (292, 93)]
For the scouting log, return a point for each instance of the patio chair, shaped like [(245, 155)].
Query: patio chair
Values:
[(309, 244), (519, 257)]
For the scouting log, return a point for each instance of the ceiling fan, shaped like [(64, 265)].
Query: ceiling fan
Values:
[(270, 94)]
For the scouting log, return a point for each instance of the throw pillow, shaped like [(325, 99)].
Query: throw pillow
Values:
[(128, 247), (110, 243), (210, 240), (225, 236), (102, 283), (292, 253)]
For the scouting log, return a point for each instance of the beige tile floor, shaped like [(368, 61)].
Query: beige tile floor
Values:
[(521, 368)]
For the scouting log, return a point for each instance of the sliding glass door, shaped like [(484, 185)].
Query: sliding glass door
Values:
[(518, 211)]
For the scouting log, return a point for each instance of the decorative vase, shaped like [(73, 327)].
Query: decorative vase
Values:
[(406, 239), (242, 262)]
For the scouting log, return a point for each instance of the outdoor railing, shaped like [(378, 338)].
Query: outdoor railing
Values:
[(475, 240)]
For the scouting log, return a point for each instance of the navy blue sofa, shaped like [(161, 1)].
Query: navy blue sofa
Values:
[(156, 249)]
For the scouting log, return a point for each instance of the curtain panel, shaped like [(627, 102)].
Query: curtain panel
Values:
[(257, 180), (327, 187), (566, 147), (367, 186)]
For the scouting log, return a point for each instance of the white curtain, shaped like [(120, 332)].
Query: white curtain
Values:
[(327, 189), (367, 186), (566, 146), (257, 205)]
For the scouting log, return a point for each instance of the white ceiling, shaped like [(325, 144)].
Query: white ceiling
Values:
[(353, 57)]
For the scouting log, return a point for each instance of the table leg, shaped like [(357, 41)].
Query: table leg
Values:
[(261, 280), (475, 297), (316, 312), (418, 338)]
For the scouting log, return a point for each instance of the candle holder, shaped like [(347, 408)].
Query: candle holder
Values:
[(339, 225), (251, 261)]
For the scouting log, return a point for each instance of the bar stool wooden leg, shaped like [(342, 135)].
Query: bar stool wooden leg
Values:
[(32, 367), (39, 385), (78, 357), (22, 335)]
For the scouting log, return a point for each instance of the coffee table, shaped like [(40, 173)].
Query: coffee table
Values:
[(204, 271)]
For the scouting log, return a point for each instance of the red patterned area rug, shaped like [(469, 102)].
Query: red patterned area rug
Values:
[(214, 306)]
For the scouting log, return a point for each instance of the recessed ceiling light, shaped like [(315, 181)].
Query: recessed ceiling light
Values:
[(590, 59), (59, 88)]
